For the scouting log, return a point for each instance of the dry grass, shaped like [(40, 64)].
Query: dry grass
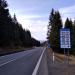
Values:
[(61, 57), (60, 68), (5, 51)]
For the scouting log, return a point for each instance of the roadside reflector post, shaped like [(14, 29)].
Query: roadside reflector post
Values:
[(53, 57)]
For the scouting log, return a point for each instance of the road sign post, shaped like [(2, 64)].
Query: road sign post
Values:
[(65, 41)]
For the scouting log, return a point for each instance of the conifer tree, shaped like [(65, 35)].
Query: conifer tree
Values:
[(12, 33), (56, 23), (69, 25)]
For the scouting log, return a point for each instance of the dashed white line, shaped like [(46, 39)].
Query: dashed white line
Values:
[(7, 62)]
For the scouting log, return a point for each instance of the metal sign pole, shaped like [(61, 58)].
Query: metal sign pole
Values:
[(68, 55), (64, 56)]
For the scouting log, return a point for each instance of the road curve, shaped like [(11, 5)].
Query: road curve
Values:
[(21, 63)]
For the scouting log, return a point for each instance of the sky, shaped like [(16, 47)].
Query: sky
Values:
[(34, 14)]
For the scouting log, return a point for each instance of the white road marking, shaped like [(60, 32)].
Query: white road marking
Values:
[(38, 63), (15, 58), (7, 62)]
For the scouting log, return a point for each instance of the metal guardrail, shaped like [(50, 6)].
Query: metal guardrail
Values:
[(41, 67)]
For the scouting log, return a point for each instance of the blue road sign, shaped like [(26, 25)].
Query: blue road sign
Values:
[(48, 45), (65, 41)]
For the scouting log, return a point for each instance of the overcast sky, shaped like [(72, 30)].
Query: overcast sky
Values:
[(34, 14)]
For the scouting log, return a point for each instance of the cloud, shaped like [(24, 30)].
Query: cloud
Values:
[(36, 25), (67, 12), (69, 9), (32, 17), (39, 32)]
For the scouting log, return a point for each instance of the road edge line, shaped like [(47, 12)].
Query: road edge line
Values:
[(38, 63)]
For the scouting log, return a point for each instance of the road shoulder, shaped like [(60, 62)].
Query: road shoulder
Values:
[(58, 67)]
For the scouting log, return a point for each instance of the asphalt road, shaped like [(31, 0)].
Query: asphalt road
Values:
[(22, 63)]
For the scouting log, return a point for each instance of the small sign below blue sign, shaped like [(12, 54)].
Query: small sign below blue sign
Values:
[(65, 41)]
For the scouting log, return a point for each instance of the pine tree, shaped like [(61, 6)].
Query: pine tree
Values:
[(56, 23), (50, 24), (4, 21), (69, 25), (12, 33), (73, 39)]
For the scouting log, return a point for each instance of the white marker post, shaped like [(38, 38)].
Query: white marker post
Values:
[(53, 57)]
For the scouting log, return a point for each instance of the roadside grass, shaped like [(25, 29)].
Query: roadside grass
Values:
[(60, 68), (61, 58), (7, 50)]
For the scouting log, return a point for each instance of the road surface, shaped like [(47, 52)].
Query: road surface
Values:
[(21, 63)]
